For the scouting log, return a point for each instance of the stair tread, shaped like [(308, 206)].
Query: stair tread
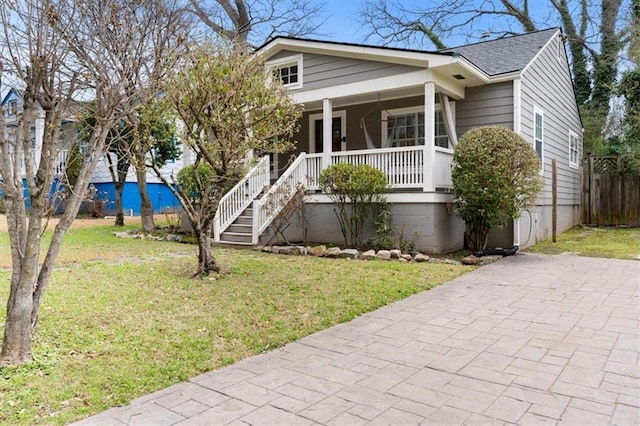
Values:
[(236, 233)]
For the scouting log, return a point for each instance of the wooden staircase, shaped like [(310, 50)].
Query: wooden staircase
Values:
[(240, 232)]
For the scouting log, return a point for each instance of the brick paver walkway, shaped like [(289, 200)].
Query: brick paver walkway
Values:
[(531, 339)]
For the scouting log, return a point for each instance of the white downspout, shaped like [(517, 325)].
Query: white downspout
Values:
[(517, 127)]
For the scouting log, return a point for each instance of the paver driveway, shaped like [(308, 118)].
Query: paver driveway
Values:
[(530, 339)]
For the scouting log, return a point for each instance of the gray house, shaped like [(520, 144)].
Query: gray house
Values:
[(403, 111)]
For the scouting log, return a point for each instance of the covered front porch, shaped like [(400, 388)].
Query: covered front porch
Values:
[(406, 129)]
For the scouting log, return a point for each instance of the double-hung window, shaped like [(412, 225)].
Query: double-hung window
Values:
[(574, 150), (538, 134), (288, 70), (405, 127)]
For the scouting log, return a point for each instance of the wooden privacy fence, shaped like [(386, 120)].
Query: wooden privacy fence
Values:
[(610, 192)]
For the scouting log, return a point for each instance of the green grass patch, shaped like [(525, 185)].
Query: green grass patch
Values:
[(609, 242), (121, 318)]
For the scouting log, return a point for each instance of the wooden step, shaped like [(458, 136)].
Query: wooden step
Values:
[(236, 237)]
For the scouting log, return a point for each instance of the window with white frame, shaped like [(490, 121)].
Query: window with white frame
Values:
[(405, 127), (574, 150), (538, 134), (288, 70), (12, 107)]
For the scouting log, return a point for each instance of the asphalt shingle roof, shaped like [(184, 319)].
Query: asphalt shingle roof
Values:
[(504, 55)]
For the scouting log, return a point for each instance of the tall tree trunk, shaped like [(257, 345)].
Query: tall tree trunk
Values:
[(206, 262), (16, 345), (119, 187), (146, 207)]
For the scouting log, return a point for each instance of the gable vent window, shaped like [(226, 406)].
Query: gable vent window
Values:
[(12, 107), (288, 70), (288, 74)]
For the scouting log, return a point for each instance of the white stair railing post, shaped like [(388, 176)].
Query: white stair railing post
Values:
[(255, 222)]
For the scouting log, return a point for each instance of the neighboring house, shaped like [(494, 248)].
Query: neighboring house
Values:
[(403, 111), (161, 197)]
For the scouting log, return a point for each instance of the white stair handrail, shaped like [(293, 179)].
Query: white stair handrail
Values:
[(271, 204), (234, 202)]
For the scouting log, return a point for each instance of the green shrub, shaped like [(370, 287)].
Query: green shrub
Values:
[(195, 181), (495, 174), (354, 190)]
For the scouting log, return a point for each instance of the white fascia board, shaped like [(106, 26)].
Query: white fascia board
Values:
[(400, 81), (379, 54), (546, 45)]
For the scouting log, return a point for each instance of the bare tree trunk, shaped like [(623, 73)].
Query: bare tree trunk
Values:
[(206, 262), (146, 207), (118, 199)]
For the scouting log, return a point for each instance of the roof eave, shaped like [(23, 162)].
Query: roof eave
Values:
[(355, 51)]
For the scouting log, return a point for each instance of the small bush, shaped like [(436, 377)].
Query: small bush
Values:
[(495, 174), (195, 181), (354, 189)]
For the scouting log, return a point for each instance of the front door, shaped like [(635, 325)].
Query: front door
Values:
[(336, 134)]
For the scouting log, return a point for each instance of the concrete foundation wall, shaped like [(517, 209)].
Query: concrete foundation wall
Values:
[(432, 227)]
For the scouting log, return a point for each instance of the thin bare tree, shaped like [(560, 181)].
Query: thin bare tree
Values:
[(63, 54)]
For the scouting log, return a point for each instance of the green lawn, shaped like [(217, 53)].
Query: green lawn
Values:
[(121, 319), (616, 243)]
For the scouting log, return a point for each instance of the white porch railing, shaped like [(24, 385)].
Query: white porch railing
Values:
[(403, 166), (442, 173), (271, 204), (61, 162), (234, 202)]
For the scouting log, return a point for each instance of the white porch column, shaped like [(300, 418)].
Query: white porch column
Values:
[(429, 154), (327, 119)]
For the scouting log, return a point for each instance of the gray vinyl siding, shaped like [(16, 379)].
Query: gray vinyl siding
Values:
[(320, 71), (547, 85), (490, 105)]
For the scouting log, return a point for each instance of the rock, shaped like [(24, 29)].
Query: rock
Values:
[(402, 259), (275, 249), (294, 250), (421, 258), (485, 260), (266, 249), (368, 255), (470, 260), (406, 257), (122, 235), (332, 252), (178, 238), (452, 262), (318, 251), (383, 255), (395, 254), (286, 249), (349, 254)]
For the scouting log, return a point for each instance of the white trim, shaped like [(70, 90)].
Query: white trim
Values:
[(538, 111), (542, 49), (289, 61), (401, 81), (318, 116), (517, 105), (574, 164)]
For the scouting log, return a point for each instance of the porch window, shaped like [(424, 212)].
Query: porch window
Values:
[(288, 70), (405, 127), (574, 160)]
